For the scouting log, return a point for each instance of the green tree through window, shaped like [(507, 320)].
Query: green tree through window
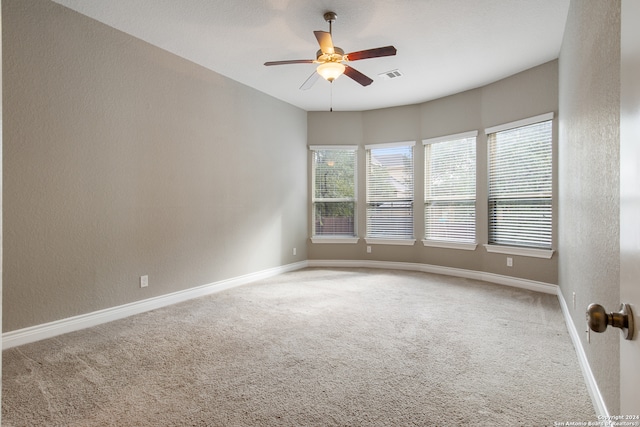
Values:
[(334, 201)]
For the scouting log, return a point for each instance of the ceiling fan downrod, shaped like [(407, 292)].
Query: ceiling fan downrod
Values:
[(330, 17)]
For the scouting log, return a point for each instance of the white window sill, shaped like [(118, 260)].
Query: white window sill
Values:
[(335, 239), (450, 245), (397, 242), (513, 250)]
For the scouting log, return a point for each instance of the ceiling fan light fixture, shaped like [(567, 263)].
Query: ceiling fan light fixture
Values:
[(331, 70), (330, 59)]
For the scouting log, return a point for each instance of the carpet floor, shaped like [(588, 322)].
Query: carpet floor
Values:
[(314, 347)]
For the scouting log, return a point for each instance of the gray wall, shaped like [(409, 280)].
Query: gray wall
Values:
[(121, 160), (589, 176), (523, 95)]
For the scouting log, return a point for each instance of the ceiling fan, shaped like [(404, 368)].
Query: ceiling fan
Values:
[(332, 59)]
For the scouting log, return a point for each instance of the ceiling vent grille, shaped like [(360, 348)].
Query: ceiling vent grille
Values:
[(388, 75)]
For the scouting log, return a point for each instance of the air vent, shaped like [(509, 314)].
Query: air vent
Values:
[(393, 74)]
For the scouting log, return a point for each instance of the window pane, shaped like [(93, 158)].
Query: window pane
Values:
[(334, 218), (451, 221), (521, 222), (520, 186), (450, 190), (391, 220), (334, 174), (390, 174), (390, 192)]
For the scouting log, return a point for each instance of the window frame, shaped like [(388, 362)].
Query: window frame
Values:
[(447, 243), (529, 251), (334, 238), (393, 239)]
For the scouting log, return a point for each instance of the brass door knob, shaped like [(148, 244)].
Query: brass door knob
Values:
[(598, 319)]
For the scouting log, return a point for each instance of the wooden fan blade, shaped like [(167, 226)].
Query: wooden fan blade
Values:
[(371, 53), (357, 76), (308, 84), (325, 42), (293, 61)]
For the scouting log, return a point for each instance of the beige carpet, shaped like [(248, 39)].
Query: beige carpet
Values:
[(316, 347)]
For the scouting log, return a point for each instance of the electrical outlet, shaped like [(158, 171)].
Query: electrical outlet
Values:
[(144, 281), (368, 249), (295, 251), (509, 261)]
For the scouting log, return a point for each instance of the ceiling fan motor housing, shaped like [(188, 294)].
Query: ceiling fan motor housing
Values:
[(336, 56)]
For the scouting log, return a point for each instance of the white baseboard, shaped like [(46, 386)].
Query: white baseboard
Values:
[(71, 324), (531, 285), (75, 323), (592, 386), (63, 326)]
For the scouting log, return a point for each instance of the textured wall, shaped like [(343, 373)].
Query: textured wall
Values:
[(123, 160), (523, 95), (589, 177)]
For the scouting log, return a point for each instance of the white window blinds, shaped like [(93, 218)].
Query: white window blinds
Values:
[(390, 191), (520, 186), (450, 188), (334, 191)]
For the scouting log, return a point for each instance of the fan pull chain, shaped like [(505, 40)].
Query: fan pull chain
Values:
[(331, 97)]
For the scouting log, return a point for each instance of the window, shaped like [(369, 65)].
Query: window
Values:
[(334, 191), (520, 183), (390, 191), (450, 188)]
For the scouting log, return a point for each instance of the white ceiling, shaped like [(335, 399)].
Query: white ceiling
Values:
[(444, 46)]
